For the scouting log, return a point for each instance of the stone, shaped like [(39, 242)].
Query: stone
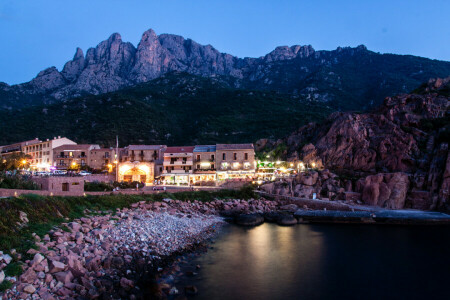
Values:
[(56, 266), (29, 289), (126, 283), (29, 276), (191, 290), (64, 277), (2, 276), (38, 258)]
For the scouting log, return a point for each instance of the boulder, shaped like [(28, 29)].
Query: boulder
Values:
[(385, 190), (250, 220), (286, 220)]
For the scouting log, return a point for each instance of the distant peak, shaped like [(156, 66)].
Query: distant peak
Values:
[(149, 34), (115, 37), (361, 47), (78, 54)]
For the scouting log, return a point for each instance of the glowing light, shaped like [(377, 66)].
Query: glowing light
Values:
[(313, 165), (205, 164), (278, 162), (24, 161), (292, 164), (74, 164), (268, 156)]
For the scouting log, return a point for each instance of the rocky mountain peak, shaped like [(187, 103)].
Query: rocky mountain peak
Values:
[(286, 52)]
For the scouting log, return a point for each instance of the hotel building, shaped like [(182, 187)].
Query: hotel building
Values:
[(73, 156), (235, 161), (204, 164), (41, 153), (178, 165)]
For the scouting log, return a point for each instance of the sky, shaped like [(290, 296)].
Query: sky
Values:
[(37, 34)]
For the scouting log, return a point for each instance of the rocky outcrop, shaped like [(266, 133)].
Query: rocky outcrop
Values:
[(397, 155)]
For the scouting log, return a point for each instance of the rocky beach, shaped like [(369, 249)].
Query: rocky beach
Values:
[(107, 254)]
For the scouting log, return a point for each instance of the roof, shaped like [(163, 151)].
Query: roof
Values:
[(146, 147), (205, 148), (76, 147), (182, 149), (234, 146)]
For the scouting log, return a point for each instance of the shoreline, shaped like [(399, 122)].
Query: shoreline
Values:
[(123, 253)]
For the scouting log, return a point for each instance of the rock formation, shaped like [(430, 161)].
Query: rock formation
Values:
[(394, 157)]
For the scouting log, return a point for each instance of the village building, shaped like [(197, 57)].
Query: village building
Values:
[(178, 165), (61, 185), (104, 158), (235, 161), (41, 153), (204, 164), (7, 150), (145, 153), (140, 171), (73, 156)]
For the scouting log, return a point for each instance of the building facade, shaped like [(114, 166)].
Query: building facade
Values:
[(104, 158), (73, 156), (145, 153), (41, 153), (178, 165), (16, 148), (204, 164), (235, 161)]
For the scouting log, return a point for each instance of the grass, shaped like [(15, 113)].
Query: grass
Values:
[(5, 285), (45, 212)]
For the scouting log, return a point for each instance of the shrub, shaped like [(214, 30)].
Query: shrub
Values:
[(96, 186), (17, 181)]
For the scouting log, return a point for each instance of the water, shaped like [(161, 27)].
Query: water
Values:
[(326, 262)]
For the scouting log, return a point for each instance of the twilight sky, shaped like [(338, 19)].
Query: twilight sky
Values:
[(36, 34)]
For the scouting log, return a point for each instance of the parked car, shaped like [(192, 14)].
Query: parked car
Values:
[(84, 173), (42, 173), (59, 172), (158, 188)]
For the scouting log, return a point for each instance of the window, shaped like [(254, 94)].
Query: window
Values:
[(198, 167), (235, 156), (198, 156), (212, 167), (224, 157), (212, 156), (246, 156), (70, 153), (61, 154), (65, 187), (83, 154)]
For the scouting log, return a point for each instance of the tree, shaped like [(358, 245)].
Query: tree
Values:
[(15, 161)]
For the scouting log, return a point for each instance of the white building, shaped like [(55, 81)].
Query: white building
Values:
[(42, 153)]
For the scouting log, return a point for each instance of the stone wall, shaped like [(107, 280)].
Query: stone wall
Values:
[(100, 178), (63, 184)]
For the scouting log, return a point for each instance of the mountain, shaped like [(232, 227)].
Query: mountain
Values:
[(345, 78), (396, 156), (175, 109)]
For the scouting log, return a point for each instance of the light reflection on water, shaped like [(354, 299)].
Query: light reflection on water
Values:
[(325, 262)]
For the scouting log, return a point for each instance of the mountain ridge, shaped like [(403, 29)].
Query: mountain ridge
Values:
[(321, 75)]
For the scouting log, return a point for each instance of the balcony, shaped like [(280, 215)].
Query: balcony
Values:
[(175, 172), (178, 163)]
